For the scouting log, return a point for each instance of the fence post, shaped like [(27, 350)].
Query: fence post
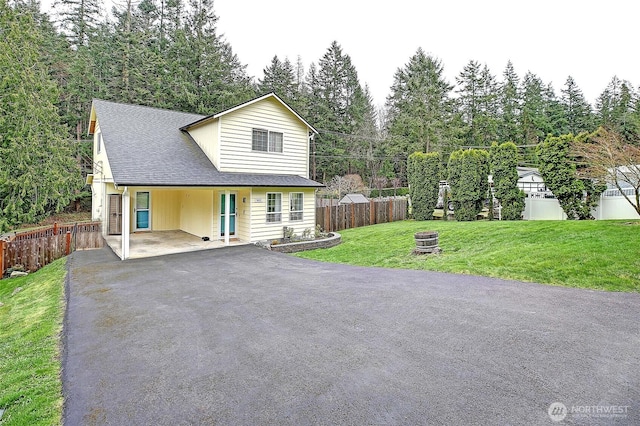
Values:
[(55, 228), (353, 215), (2, 246), (390, 211), (327, 219), (372, 212), (67, 248)]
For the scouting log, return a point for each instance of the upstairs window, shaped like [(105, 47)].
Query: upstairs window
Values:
[(266, 141), (99, 138)]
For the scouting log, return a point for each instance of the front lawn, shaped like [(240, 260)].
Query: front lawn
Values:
[(603, 255), (30, 323)]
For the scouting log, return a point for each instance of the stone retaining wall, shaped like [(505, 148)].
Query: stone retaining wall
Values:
[(331, 241)]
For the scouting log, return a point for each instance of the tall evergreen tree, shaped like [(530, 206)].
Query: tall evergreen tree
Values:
[(279, 77), (79, 19), (38, 174), (477, 102), (534, 120), (419, 108), (577, 110), (469, 82), (338, 107), (205, 75), (487, 121), (510, 105), (616, 109)]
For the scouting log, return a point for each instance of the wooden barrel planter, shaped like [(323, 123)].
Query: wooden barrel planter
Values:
[(426, 242)]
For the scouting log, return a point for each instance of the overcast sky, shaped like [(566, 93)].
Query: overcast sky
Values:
[(589, 40)]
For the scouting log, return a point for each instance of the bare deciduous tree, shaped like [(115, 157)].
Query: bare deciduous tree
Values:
[(605, 156)]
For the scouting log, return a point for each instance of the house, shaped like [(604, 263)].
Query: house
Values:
[(530, 180), (240, 175), (354, 199)]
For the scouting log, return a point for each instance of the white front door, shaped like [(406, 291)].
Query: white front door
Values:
[(232, 214)]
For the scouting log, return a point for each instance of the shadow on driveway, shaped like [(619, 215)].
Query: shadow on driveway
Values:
[(246, 336)]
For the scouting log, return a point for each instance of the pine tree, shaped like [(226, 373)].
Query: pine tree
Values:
[(338, 107), (510, 105), (279, 77), (38, 174), (577, 110), (419, 108), (470, 83), (79, 19), (477, 103), (616, 109), (534, 121)]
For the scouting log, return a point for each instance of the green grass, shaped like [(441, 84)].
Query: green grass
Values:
[(30, 326), (603, 255)]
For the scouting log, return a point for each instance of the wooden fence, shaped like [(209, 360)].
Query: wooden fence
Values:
[(35, 249), (336, 218)]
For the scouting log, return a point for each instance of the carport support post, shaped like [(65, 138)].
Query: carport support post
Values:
[(227, 210), (126, 218)]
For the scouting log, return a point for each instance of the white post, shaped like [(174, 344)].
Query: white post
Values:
[(126, 219), (227, 210)]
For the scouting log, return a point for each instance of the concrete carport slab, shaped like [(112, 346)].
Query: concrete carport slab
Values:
[(242, 335)]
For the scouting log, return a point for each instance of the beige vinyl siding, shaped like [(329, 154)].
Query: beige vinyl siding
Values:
[(102, 177), (165, 209), (196, 212), (261, 230), (206, 136), (236, 154), (243, 218), (101, 166)]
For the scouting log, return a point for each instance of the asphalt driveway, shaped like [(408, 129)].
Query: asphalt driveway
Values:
[(246, 336)]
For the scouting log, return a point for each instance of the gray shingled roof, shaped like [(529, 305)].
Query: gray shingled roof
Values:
[(145, 146)]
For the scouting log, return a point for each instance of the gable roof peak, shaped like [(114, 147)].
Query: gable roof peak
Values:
[(247, 103)]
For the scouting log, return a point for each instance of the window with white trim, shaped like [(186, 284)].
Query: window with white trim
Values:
[(266, 141), (296, 205), (274, 207), (99, 138)]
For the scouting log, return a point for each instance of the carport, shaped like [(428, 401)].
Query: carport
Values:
[(159, 243)]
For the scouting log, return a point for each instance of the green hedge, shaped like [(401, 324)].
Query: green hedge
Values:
[(423, 174), (504, 160), (388, 192), (468, 175)]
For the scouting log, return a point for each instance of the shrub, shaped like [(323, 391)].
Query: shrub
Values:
[(577, 197), (423, 174), (504, 159), (389, 192), (468, 173)]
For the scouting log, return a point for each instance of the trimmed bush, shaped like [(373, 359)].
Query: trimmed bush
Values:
[(468, 174), (576, 196), (388, 192), (504, 160), (423, 174)]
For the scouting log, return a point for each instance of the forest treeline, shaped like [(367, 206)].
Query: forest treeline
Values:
[(169, 54)]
